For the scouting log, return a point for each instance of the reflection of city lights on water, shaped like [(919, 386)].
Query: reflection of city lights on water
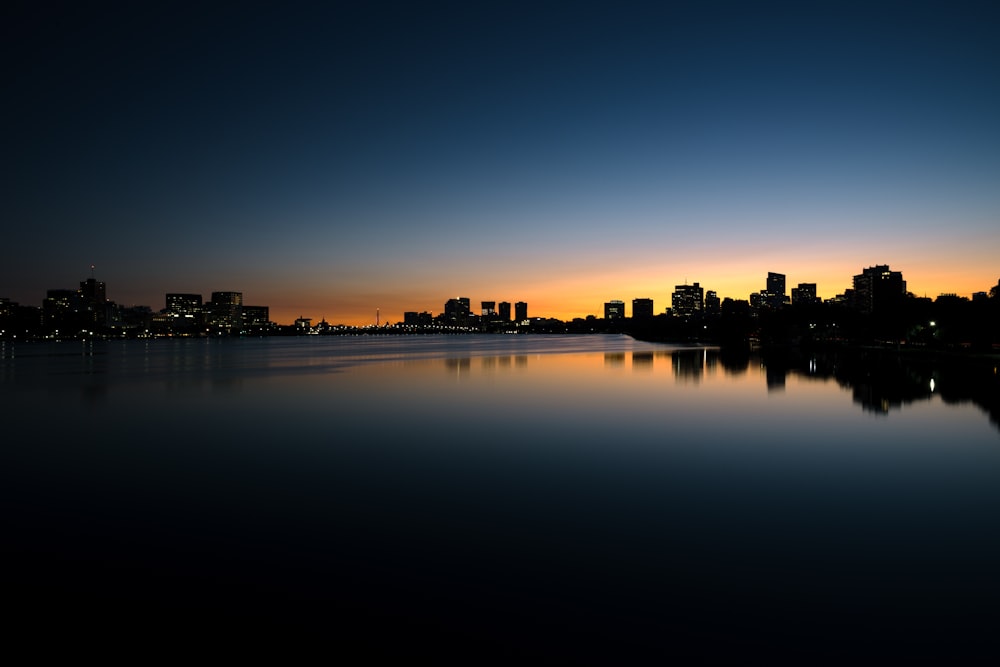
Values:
[(932, 384), (812, 365)]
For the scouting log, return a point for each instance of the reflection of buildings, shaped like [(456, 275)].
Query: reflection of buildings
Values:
[(642, 360), (458, 366), (775, 377), (614, 359), (881, 382), (688, 364)]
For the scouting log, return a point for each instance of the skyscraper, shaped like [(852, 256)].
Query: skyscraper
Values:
[(184, 312), (803, 294), (503, 310), (520, 311), (94, 301), (458, 310), (642, 309), (687, 300), (877, 289), (713, 306), (774, 296), (225, 311)]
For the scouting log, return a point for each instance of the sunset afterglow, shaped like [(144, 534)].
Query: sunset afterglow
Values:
[(333, 162)]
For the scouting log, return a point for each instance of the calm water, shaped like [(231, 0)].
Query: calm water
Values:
[(540, 498)]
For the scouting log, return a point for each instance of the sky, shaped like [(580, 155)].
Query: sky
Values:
[(334, 160)]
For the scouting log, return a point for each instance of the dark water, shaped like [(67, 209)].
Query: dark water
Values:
[(515, 499)]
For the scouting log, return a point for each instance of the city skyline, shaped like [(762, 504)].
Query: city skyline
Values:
[(775, 290), (336, 161)]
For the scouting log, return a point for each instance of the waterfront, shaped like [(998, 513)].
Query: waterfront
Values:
[(543, 497)]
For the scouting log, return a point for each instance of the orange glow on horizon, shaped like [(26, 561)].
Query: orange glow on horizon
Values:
[(579, 297)]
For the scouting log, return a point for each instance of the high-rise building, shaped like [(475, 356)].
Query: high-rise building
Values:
[(458, 307), (642, 309), (713, 306), (774, 295), (877, 288), (520, 311), (184, 303), (687, 300), (94, 301), (256, 319), (184, 312), (225, 311), (489, 309), (614, 310), (63, 312), (503, 311), (458, 310), (805, 293)]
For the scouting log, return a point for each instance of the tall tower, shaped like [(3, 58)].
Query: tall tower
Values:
[(774, 295), (94, 298), (520, 311), (687, 300), (226, 310)]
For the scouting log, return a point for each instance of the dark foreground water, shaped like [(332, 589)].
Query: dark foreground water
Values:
[(509, 499)]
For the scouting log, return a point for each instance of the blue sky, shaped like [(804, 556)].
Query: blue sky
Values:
[(328, 159)]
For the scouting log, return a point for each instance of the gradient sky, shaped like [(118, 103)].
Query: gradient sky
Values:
[(330, 159)]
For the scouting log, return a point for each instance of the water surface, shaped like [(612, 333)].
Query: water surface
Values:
[(559, 498)]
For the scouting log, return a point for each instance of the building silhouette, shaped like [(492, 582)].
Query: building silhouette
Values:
[(225, 311), (614, 310), (805, 293), (421, 319), (642, 309), (63, 311), (94, 301), (774, 295), (457, 311), (256, 319), (520, 311), (687, 300), (877, 288), (713, 305), (184, 312), (503, 311)]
